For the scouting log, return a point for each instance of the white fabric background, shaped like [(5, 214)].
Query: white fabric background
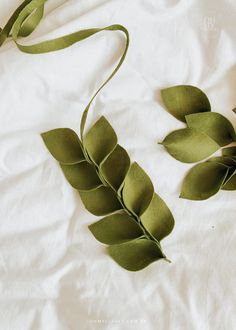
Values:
[(53, 274)]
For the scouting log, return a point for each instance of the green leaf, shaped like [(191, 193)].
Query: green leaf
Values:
[(157, 219), (100, 140), (138, 190), (64, 145), (115, 167), (230, 151), (214, 125), (227, 161), (101, 201), (188, 145), (230, 183), (234, 110), (223, 160), (82, 176), (204, 180), (116, 229), (183, 100), (136, 254)]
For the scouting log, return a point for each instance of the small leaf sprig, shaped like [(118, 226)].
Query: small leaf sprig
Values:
[(206, 132), (136, 218)]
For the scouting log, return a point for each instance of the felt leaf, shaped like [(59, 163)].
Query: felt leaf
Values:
[(157, 219), (138, 190), (82, 176), (214, 125), (100, 140), (230, 174), (116, 229), (188, 145), (115, 167), (101, 201), (64, 145), (183, 100), (203, 181), (228, 161), (230, 183), (136, 254), (230, 151), (234, 110)]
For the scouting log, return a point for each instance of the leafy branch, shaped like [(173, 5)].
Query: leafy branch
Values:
[(136, 218), (206, 133)]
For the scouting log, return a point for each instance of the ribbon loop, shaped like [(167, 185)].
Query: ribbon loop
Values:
[(24, 21)]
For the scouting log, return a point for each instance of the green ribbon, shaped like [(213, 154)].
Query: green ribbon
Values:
[(24, 21)]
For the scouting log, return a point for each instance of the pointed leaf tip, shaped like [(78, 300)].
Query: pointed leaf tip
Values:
[(115, 167), (158, 219), (82, 176), (215, 125), (64, 145), (100, 140), (189, 145), (138, 190), (101, 201), (203, 181), (116, 229), (136, 254), (182, 100)]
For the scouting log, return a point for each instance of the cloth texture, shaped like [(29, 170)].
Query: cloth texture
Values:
[(53, 274)]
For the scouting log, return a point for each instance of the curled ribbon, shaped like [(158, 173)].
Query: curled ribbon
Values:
[(27, 17)]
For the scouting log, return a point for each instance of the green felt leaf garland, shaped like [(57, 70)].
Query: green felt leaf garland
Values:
[(136, 218), (206, 132)]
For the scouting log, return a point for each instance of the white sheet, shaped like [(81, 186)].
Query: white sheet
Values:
[(53, 274)]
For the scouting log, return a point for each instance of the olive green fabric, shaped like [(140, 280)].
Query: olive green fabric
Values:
[(100, 201), (230, 151), (100, 140), (5, 32), (204, 180), (183, 100), (206, 132), (26, 18), (230, 182), (189, 145), (136, 254), (116, 229), (31, 22), (115, 167), (158, 219), (214, 125), (82, 176), (223, 160), (64, 145), (138, 190)]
